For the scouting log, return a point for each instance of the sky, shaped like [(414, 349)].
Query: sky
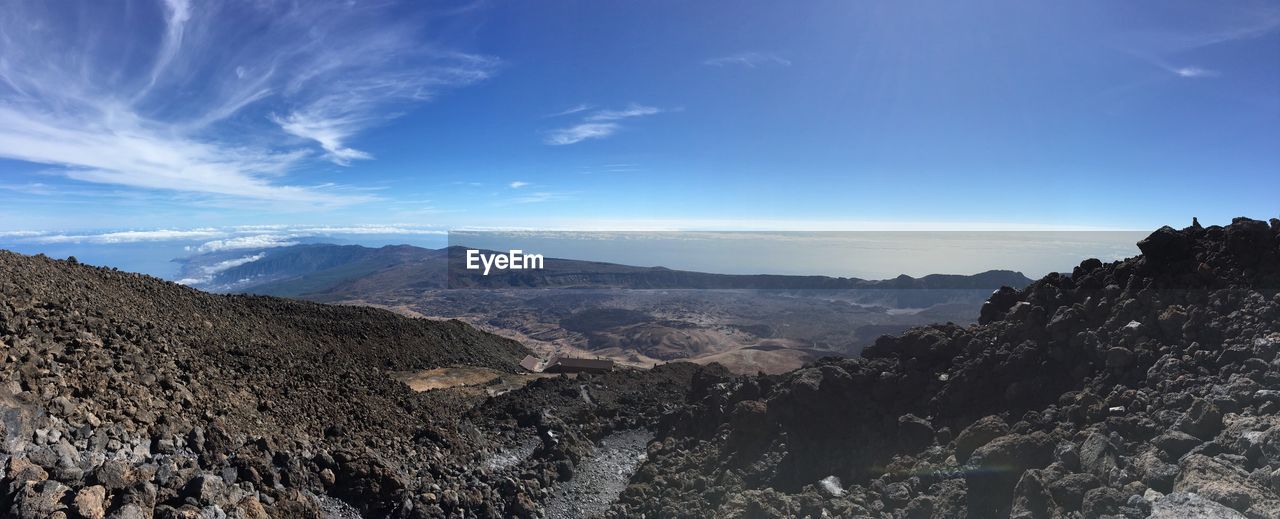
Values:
[(163, 117)]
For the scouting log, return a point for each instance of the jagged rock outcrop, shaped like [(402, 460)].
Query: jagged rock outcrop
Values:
[(1144, 386)]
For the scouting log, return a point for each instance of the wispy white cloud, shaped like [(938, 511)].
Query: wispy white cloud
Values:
[(612, 168), (352, 100), (30, 188), (124, 150), (179, 13), (628, 112), (581, 132), (1194, 72), (1231, 22), (620, 168), (210, 107), (598, 125), (1166, 46), (572, 110), (329, 132), (1187, 72), (517, 184), (541, 196), (748, 60)]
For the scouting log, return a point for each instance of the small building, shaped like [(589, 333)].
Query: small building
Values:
[(531, 363), (577, 365)]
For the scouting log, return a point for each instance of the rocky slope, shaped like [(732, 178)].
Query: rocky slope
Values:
[(127, 396), (1148, 387), (1145, 387)]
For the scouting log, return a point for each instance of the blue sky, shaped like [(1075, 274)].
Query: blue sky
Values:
[(159, 116)]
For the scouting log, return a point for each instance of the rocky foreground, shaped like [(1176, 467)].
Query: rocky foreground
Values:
[(128, 396), (1148, 387)]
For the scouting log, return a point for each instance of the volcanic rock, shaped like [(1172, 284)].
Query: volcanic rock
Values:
[(1086, 395)]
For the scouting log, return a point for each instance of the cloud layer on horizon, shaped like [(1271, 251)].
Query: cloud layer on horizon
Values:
[(216, 239)]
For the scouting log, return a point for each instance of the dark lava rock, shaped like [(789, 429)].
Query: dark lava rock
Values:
[(997, 466), (1203, 420), (916, 433), (1098, 456), (1078, 396), (1176, 443), (978, 434), (1179, 505), (1068, 492), (997, 305), (127, 396), (1165, 245)]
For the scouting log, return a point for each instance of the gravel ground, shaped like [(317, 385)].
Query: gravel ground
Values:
[(333, 508), (511, 456), (601, 477)]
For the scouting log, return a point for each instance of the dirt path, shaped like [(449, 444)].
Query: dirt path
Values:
[(601, 478)]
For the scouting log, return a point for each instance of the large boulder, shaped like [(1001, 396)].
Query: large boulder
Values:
[(1176, 443), (1068, 491), (1230, 485), (978, 434), (1165, 245), (996, 467), (39, 500), (115, 475), (205, 488), (90, 502), (997, 305), (914, 433), (1181, 505), (1248, 239), (1098, 456), (1202, 420)]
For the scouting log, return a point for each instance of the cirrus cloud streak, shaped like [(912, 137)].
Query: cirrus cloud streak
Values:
[(598, 124), (226, 99)]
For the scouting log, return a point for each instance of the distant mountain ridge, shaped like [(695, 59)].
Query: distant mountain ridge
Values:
[(304, 269), (324, 271)]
